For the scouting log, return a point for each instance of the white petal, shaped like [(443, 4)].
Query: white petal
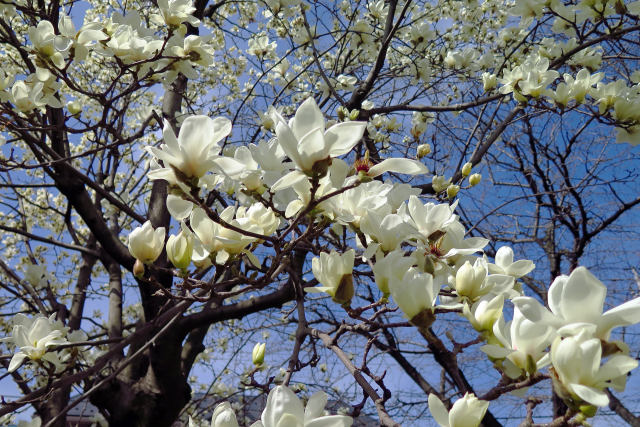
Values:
[(229, 166), (582, 296), (16, 361), (315, 406), (308, 117), (438, 410), (331, 421), (504, 256), (342, 137), (281, 401), (589, 394), (623, 315), (534, 311), (398, 165), (178, 207), (288, 180)]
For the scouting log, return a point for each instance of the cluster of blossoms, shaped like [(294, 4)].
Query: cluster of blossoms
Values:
[(284, 408), (36, 340), (417, 251), (123, 38)]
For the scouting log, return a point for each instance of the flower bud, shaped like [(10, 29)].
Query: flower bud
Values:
[(475, 179), (145, 243), (423, 150), (440, 183), (180, 249), (452, 190), (469, 279), (466, 169), (74, 107), (489, 81), (138, 269), (257, 356), (223, 416)]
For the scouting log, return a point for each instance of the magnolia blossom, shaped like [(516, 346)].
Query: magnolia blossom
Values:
[(34, 337), (576, 300), (180, 249), (519, 345), (334, 272), (505, 265), (430, 219), (307, 143), (576, 361), (175, 12), (416, 295), (386, 231), (194, 151), (146, 243), (217, 238), (466, 412), (389, 268), (484, 313), (470, 280), (285, 409)]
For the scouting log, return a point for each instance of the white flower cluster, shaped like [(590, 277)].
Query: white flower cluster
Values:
[(123, 38), (418, 252), (36, 338), (283, 408)]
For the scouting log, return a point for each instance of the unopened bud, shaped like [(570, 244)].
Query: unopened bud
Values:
[(440, 183), (466, 169), (353, 115), (138, 269), (257, 356), (452, 191), (475, 179), (489, 81), (423, 150), (74, 107)]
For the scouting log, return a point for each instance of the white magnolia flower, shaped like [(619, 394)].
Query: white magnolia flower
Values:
[(576, 361), (352, 205), (180, 249), (27, 97), (521, 345), (389, 268), (223, 416), (261, 216), (416, 295), (576, 300), (175, 12), (471, 280), (195, 149), (216, 238), (37, 275), (33, 337), (285, 409), (334, 272), (485, 312), (145, 243), (306, 142), (260, 46), (47, 44), (386, 231), (466, 412), (430, 219), (505, 265)]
